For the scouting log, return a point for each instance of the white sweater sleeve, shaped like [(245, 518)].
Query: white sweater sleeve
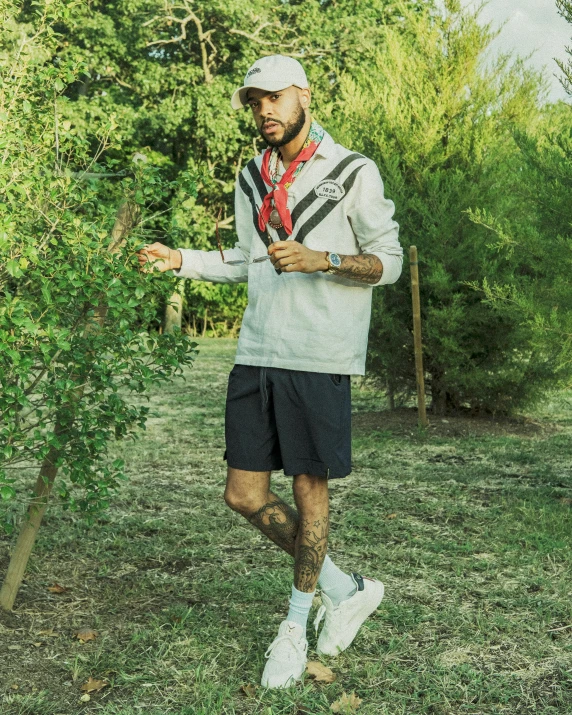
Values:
[(371, 217), (208, 265)]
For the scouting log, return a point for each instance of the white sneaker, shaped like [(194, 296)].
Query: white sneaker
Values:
[(286, 657), (344, 621)]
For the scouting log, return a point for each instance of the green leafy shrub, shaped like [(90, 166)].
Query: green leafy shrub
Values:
[(77, 317)]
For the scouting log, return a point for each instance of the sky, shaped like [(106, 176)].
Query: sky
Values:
[(531, 26)]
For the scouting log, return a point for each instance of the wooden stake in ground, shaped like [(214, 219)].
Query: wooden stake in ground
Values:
[(413, 262), (126, 218)]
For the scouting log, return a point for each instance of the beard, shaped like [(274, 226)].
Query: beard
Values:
[(291, 129)]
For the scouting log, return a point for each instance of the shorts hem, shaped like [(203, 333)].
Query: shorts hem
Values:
[(247, 467), (314, 468)]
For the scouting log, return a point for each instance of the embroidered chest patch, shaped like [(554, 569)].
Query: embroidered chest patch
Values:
[(330, 190)]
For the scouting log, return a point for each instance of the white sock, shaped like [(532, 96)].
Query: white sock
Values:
[(300, 605), (336, 584)]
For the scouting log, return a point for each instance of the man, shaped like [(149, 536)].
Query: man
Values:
[(315, 233)]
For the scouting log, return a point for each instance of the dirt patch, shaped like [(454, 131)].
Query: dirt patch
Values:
[(404, 421)]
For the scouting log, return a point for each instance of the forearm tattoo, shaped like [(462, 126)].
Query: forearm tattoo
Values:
[(279, 522), (364, 268), (311, 547)]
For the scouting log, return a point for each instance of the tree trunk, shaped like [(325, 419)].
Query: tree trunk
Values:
[(205, 322), (174, 313), (127, 216), (29, 530), (391, 395)]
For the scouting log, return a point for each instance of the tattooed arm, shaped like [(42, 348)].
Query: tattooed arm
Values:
[(292, 256), (364, 268)]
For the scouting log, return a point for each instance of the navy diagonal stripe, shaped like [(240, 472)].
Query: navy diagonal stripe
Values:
[(309, 199), (329, 206), (245, 186), (263, 190), (254, 171)]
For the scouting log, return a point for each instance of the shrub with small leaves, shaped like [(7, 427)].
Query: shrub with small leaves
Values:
[(78, 332)]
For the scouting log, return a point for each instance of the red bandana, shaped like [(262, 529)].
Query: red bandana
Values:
[(279, 193)]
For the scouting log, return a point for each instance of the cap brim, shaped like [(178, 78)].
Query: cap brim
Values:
[(238, 99)]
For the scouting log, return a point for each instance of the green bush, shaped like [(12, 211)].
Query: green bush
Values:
[(77, 315)]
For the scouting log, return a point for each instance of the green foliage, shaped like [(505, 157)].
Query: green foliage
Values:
[(75, 313), (543, 297), (401, 82), (166, 72), (441, 129), (565, 9)]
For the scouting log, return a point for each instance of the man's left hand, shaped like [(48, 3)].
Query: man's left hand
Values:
[(292, 256)]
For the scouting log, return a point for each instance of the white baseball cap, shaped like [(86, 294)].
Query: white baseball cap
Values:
[(271, 73)]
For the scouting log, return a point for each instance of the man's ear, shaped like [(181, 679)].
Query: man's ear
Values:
[(305, 98)]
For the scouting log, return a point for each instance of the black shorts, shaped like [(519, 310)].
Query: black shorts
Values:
[(288, 419)]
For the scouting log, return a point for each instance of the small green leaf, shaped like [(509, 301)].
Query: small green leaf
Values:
[(13, 268), (7, 493)]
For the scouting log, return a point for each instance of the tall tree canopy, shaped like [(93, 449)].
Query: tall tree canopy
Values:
[(442, 129)]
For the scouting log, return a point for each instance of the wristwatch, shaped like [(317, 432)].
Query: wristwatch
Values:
[(334, 262)]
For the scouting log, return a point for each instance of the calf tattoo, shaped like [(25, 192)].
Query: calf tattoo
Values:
[(311, 547), (279, 522)]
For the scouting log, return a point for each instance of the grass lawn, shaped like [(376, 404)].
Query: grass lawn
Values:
[(469, 526)]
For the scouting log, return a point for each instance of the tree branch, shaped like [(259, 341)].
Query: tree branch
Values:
[(204, 37)]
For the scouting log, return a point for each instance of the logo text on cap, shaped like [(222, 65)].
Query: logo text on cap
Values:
[(254, 70)]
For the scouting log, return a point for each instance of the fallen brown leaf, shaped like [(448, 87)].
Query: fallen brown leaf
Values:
[(38, 644), (85, 698), (50, 633), (86, 634), (566, 500), (56, 588), (391, 516), (248, 690), (14, 686), (94, 685), (346, 705), (320, 673)]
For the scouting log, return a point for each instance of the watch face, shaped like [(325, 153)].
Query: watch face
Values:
[(335, 260)]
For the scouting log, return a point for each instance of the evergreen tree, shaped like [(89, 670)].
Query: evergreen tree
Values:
[(440, 127), (565, 9), (542, 301), (544, 304)]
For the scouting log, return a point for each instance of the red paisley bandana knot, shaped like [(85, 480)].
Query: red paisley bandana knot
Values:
[(279, 193)]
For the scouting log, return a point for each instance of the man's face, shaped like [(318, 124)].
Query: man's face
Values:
[(279, 116)]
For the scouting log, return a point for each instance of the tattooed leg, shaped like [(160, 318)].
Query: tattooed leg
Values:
[(278, 521), (249, 494), (311, 495)]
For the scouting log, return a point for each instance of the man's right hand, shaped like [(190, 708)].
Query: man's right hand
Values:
[(162, 257)]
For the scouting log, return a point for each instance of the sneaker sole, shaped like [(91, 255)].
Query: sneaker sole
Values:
[(292, 680), (355, 625)]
